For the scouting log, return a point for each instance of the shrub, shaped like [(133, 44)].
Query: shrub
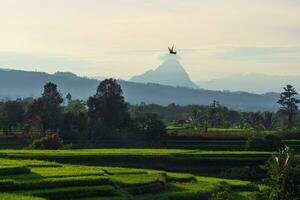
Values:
[(263, 143), (49, 141)]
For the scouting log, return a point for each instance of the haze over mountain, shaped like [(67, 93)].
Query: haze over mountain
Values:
[(170, 72), (254, 83), (16, 83)]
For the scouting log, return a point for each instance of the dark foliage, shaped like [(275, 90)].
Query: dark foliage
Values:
[(11, 115), (263, 143), (253, 173), (284, 176), (49, 141), (214, 116), (75, 121), (107, 109), (46, 112)]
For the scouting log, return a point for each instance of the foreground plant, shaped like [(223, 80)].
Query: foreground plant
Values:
[(284, 176)]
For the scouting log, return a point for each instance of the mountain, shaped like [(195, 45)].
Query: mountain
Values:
[(170, 72), (255, 83), (16, 83)]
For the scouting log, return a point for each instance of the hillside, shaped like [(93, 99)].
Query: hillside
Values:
[(15, 83)]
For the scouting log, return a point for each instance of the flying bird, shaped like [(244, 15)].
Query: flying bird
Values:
[(171, 50)]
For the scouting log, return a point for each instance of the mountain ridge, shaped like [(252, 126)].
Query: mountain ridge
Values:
[(22, 84)]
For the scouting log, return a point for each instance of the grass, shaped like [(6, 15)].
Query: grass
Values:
[(51, 180)]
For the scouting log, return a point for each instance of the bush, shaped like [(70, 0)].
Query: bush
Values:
[(263, 143), (49, 141)]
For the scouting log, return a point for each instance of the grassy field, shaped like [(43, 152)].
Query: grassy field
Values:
[(35, 180)]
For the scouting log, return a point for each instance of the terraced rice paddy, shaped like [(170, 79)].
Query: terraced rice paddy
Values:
[(35, 180), (200, 162)]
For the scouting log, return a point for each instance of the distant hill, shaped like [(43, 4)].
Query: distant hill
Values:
[(170, 72), (255, 83), (15, 83)]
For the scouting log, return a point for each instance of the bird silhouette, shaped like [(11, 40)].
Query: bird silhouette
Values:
[(171, 50)]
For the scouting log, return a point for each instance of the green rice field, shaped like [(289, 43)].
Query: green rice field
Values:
[(36, 179)]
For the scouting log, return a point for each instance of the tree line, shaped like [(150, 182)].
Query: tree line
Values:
[(216, 115), (104, 115)]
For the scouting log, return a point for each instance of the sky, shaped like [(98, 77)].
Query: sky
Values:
[(123, 38)]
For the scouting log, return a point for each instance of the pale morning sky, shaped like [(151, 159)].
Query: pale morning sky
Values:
[(122, 38)]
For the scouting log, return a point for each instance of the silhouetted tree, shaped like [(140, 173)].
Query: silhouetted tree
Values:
[(46, 111), (69, 97), (51, 93), (107, 109), (288, 102)]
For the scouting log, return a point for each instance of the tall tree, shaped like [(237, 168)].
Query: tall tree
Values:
[(69, 97), (107, 107), (46, 111), (288, 103), (51, 93)]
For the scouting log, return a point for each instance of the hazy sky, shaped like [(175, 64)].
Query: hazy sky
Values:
[(122, 38)]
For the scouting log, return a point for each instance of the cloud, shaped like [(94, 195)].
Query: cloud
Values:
[(169, 56), (261, 54)]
